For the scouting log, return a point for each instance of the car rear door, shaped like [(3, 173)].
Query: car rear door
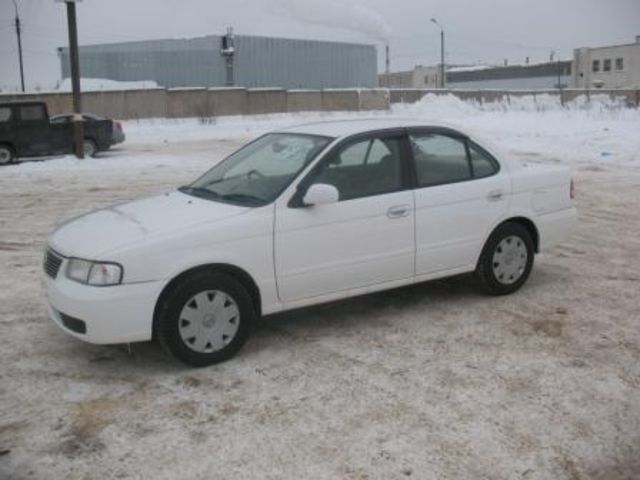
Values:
[(364, 239), (61, 134), (32, 130), (461, 193)]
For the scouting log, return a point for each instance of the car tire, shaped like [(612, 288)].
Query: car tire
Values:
[(205, 319), (506, 259), (7, 155), (89, 147)]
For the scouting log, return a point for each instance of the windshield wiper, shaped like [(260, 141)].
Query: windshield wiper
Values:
[(198, 192), (243, 197)]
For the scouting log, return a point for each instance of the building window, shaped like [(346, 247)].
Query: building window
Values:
[(619, 64), (606, 65), (596, 66)]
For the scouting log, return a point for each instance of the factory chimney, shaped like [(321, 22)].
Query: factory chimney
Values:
[(387, 59)]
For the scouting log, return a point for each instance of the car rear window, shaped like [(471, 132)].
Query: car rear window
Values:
[(5, 114), (32, 112)]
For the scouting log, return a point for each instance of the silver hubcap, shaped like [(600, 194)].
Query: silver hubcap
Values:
[(5, 156), (509, 260), (209, 321)]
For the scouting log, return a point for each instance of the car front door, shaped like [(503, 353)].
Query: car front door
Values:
[(461, 193), (364, 239)]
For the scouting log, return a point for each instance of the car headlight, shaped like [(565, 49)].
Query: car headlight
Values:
[(100, 274)]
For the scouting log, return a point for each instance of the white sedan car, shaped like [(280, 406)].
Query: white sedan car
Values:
[(298, 217)]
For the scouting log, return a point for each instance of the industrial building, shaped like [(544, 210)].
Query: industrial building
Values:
[(419, 77), (616, 66), (231, 60), (541, 76)]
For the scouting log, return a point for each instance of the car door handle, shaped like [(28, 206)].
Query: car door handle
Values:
[(495, 195), (398, 211)]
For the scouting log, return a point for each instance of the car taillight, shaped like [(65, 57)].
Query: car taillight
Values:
[(119, 125), (572, 190)]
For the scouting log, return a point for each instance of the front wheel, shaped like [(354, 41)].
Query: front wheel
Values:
[(506, 259), (205, 319), (90, 148), (6, 155)]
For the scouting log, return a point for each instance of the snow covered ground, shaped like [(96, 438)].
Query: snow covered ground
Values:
[(430, 381)]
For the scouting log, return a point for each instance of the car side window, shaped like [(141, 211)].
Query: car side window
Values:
[(482, 163), (61, 120), (364, 168), (440, 159), (5, 115), (32, 113)]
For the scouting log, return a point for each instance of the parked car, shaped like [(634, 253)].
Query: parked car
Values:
[(117, 136), (299, 217), (26, 131)]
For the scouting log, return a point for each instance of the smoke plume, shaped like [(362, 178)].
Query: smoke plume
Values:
[(333, 13)]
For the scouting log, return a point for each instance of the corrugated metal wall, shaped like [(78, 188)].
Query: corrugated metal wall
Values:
[(258, 62)]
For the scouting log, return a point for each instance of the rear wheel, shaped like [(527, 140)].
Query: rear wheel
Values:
[(6, 155), (506, 259), (90, 148), (205, 319)]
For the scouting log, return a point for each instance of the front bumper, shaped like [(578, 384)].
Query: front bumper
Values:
[(117, 314)]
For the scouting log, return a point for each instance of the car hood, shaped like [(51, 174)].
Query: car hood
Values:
[(95, 234)]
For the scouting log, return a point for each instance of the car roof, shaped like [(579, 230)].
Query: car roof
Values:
[(344, 128), (20, 103)]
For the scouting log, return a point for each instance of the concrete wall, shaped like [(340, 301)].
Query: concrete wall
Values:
[(374, 99), (188, 102), (205, 103), (228, 101), (56, 102), (304, 101), (340, 100), (266, 100)]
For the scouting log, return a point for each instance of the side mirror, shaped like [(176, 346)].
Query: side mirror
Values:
[(321, 194)]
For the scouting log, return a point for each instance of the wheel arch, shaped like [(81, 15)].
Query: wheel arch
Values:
[(232, 270), (10, 147), (526, 223)]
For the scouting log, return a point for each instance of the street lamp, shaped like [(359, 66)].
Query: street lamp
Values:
[(19, 45), (78, 126), (442, 69)]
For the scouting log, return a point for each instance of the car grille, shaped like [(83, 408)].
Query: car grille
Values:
[(52, 262)]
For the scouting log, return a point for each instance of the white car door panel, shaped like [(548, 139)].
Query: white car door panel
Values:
[(356, 243), (451, 221), (366, 238), (453, 214)]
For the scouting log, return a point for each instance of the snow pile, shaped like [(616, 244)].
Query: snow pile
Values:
[(98, 84), (543, 102), (538, 128)]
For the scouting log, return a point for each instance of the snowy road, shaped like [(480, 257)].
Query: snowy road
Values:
[(430, 381)]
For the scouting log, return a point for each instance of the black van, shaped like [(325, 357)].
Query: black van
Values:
[(26, 131)]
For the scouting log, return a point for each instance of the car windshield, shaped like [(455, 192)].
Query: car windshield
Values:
[(257, 173)]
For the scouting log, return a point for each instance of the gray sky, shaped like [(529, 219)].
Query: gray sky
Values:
[(477, 31)]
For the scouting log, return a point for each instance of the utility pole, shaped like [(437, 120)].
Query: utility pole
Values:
[(18, 31), (78, 125), (443, 81)]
